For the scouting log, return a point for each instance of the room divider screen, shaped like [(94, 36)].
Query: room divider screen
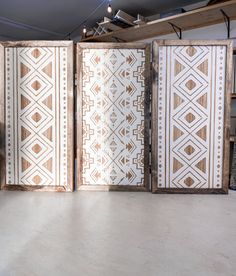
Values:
[(113, 116), (37, 115), (191, 116)]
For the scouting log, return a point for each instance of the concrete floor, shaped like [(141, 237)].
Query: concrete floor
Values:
[(109, 234)]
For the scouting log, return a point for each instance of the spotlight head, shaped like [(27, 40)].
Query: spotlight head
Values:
[(109, 8)]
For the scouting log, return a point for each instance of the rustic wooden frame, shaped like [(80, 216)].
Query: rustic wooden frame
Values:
[(233, 69), (228, 91), (2, 118), (70, 93), (80, 47)]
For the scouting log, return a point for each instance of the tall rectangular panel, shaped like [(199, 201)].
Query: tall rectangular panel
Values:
[(38, 115), (191, 103), (113, 116)]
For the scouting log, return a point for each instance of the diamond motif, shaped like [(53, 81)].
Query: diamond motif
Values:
[(36, 53), (36, 85), (186, 179), (189, 181), (189, 150), (190, 84), (37, 179), (113, 59), (191, 54), (191, 51), (190, 118), (113, 117), (36, 148), (36, 117), (113, 146)]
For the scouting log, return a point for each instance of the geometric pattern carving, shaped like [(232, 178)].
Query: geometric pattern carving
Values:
[(36, 116), (113, 116), (191, 89)]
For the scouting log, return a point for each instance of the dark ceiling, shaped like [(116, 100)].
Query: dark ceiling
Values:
[(54, 19)]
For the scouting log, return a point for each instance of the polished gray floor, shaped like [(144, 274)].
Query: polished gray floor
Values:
[(111, 233)]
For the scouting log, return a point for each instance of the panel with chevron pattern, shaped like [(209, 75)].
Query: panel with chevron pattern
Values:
[(36, 117), (113, 117), (190, 117)]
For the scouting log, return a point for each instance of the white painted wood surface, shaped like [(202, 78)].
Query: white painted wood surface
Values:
[(191, 91)]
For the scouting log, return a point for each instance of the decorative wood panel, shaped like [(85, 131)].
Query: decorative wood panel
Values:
[(113, 101), (190, 113), (38, 116)]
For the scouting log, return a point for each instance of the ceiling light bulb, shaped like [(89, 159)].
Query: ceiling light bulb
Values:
[(109, 8), (84, 30)]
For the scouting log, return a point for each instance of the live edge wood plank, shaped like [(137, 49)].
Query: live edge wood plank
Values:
[(205, 16)]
